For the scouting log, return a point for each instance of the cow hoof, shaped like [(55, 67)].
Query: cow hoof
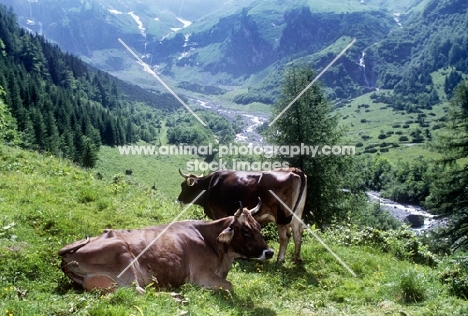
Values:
[(280, 261), (297, 260), (140, 290), (179, 298), (229, 293)]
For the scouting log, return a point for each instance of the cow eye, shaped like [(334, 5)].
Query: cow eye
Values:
[(245, 232)]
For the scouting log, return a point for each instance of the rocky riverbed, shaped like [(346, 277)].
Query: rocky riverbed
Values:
[(414, 215)]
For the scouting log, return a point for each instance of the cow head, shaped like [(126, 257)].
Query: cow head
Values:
[(190, 187), (244, 236)]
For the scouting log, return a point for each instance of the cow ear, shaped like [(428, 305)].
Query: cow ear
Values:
[(226, 235)]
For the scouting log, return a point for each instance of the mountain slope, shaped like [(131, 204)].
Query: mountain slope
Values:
[(432, 40), (64, 107), (409, 53), (226, 42)]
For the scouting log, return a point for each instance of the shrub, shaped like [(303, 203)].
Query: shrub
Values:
[(270, 232), (87, 195), (382, 136), (412, 288), (402, 243), (403, 138), (455, 275), (371, 146)]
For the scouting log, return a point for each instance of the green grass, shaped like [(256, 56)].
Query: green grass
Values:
[(149, 170), (47, 203), (366, 121)]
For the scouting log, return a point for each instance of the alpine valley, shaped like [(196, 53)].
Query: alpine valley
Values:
[(91, 139), (213, 47)]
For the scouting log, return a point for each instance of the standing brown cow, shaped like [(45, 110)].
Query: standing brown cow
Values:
[(225, 188)]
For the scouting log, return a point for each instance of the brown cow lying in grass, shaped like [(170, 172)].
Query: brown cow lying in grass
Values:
[(166, 256)]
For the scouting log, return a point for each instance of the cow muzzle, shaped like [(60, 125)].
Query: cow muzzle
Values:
[(267, 254)]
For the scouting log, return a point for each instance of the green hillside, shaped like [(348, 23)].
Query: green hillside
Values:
[(58, 115), (48, 202), (374, 127)]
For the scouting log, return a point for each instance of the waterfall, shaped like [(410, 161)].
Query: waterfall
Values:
[(363, 66)]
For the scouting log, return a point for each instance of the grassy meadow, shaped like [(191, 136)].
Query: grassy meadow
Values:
[(374, 127), (46, 203)]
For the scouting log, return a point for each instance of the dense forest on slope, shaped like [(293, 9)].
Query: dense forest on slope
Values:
[(407, 59), (63, 106)]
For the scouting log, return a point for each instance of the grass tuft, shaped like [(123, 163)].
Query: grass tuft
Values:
[(412, 286)]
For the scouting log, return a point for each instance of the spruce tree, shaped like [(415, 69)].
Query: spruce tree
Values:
[(449, 191), (89, 154), (8, 128), (310, 121)]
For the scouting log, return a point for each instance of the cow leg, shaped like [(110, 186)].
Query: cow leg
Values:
[(130, 277), (214, 282), (91, 282), (297, 230), (284, 234)]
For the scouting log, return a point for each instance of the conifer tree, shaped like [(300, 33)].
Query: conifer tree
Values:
[(309, 121), (8, 132), (52, 141), (449, 191), (89, 154)]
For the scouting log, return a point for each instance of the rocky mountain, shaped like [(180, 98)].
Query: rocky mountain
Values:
[(202, 44)]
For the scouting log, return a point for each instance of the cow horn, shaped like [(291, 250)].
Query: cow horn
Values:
[(183, 174), (256, 208), (239, 211)]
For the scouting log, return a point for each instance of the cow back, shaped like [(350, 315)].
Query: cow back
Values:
[(227, 188)]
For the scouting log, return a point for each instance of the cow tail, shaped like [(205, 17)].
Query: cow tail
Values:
[(303, 184)]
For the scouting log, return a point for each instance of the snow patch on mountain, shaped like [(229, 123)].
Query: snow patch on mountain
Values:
[(396, 17), (139, 23), (114, 11), (185, 24)]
